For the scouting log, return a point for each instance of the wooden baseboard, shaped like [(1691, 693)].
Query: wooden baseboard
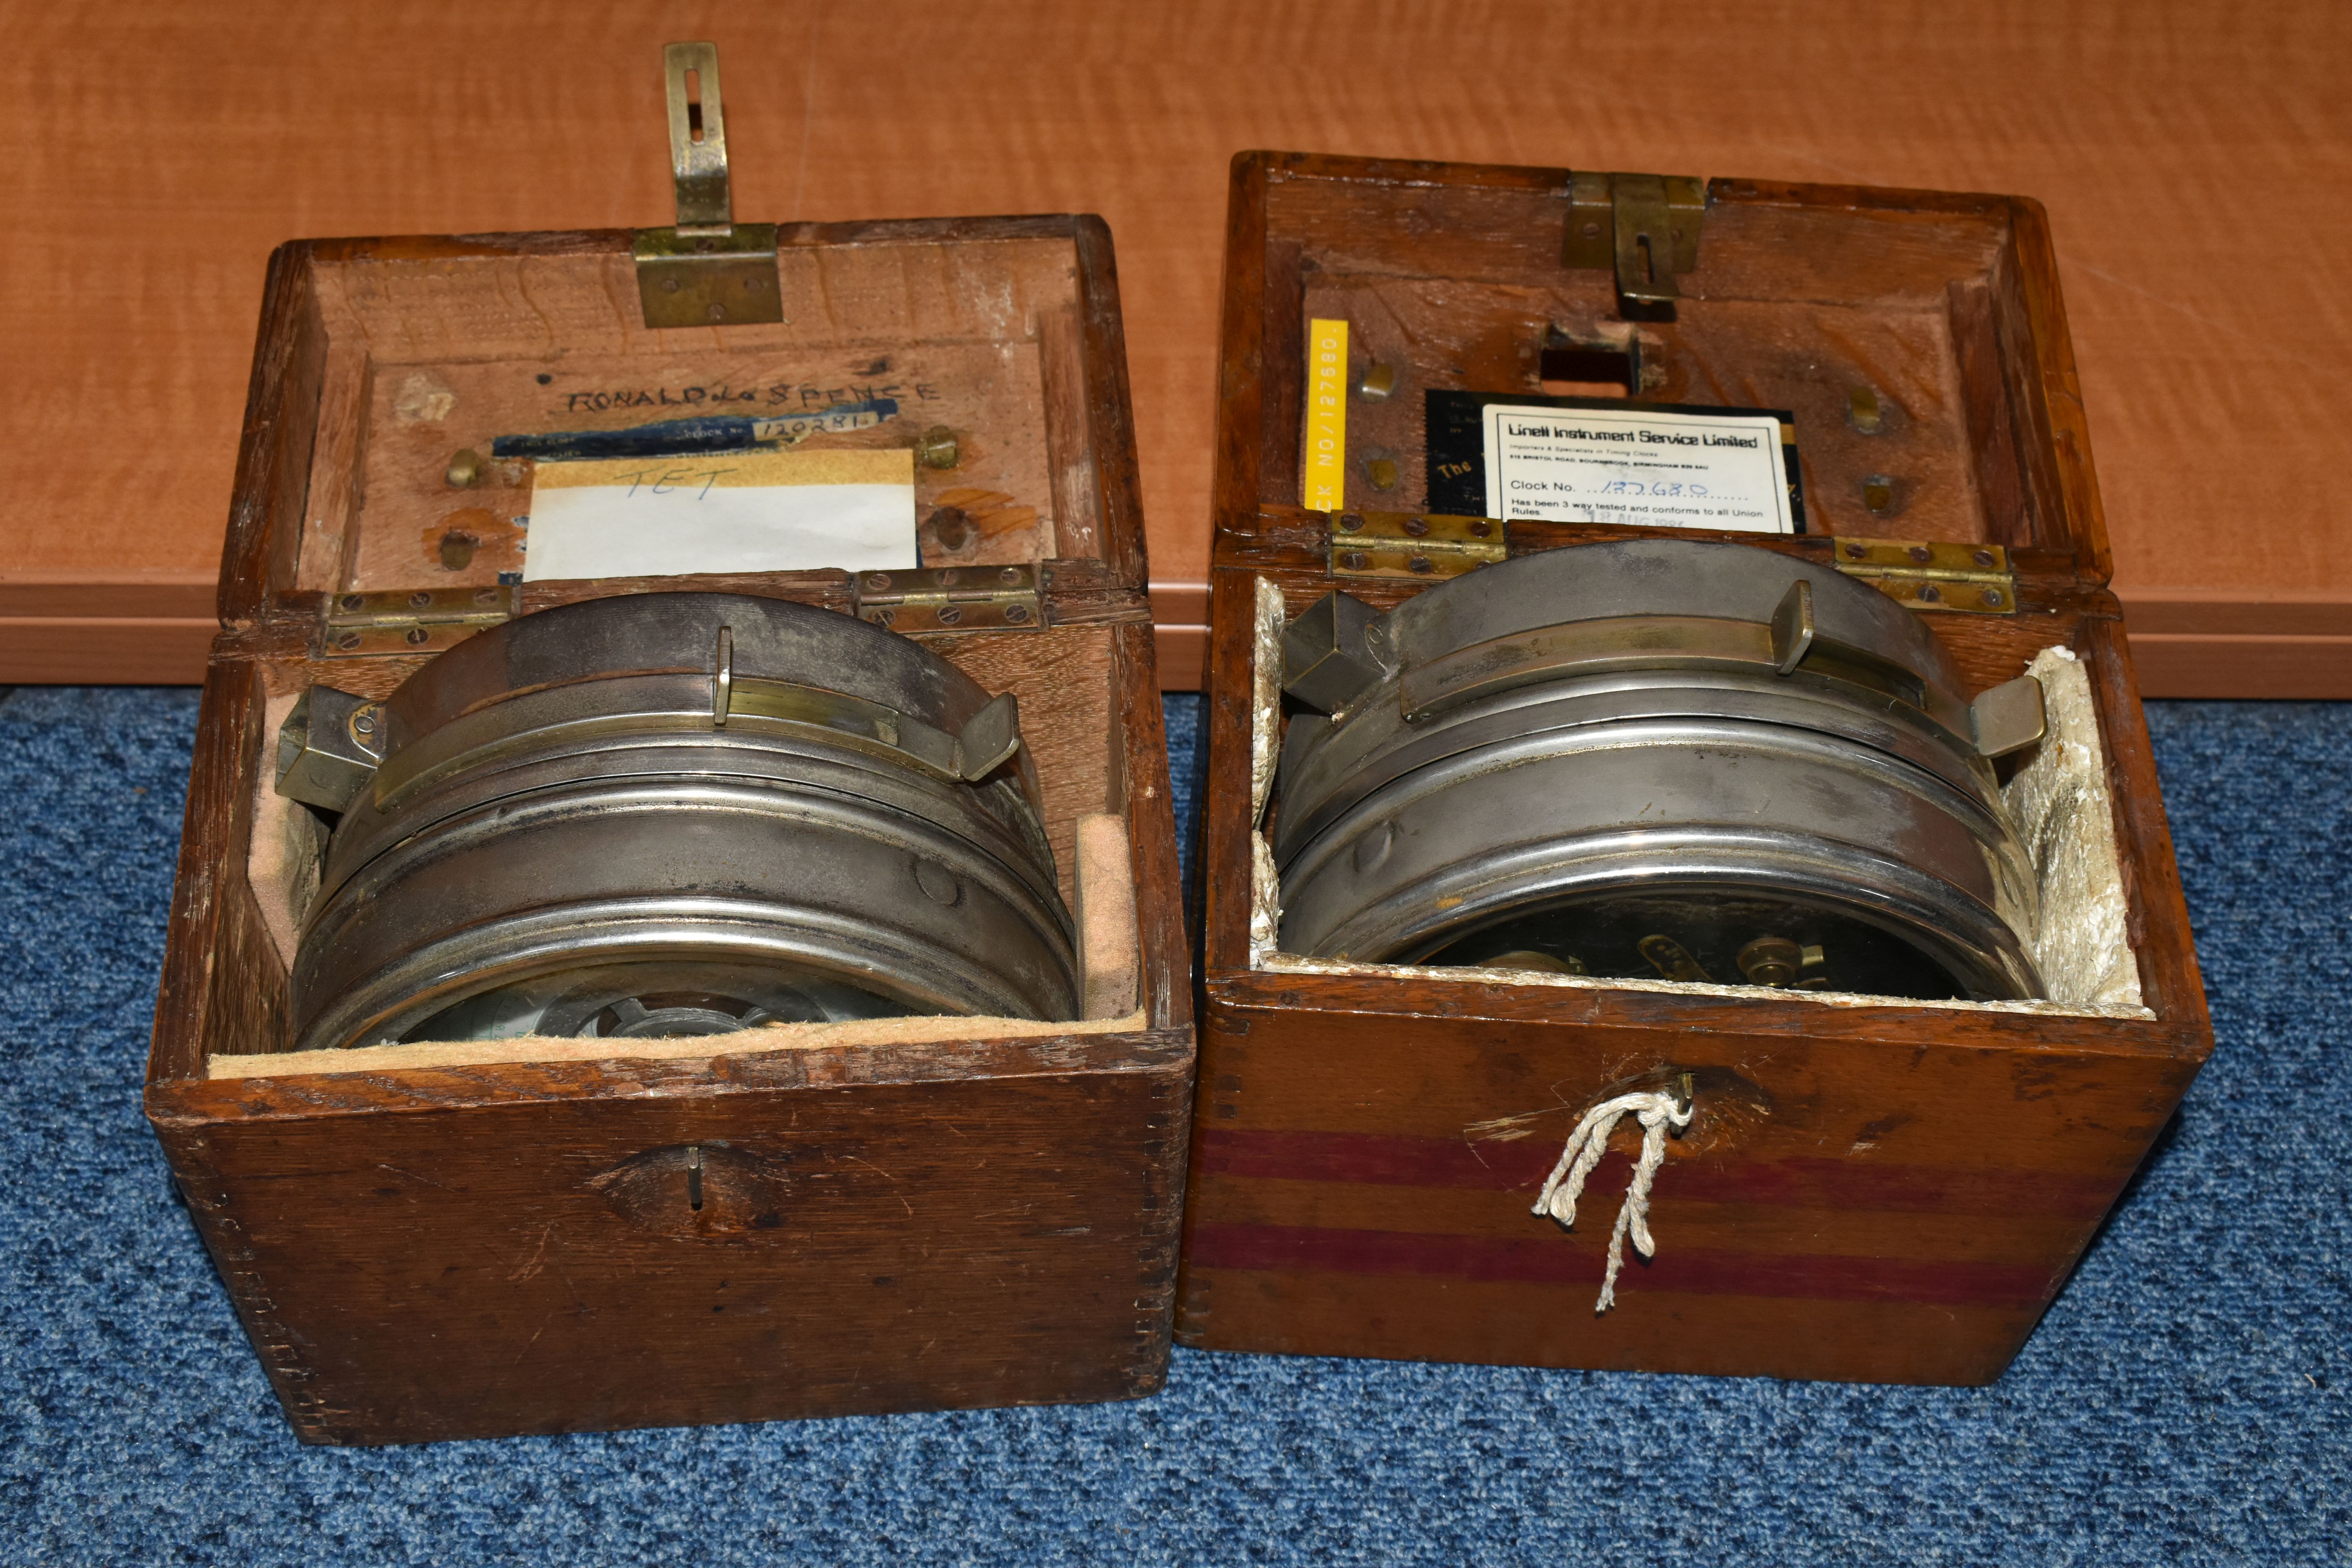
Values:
[(1180, 617), (2176, 663), (104, 650), (2192, 643), (158, 633)]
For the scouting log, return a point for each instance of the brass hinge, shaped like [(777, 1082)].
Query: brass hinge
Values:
[(1427, 545), (1643, 227), (426, 620), (710, 271), (1974, 579), (951, 599)]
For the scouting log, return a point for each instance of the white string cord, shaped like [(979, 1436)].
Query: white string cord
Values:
[(1656, 1112)]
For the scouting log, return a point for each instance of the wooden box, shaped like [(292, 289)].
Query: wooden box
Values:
[(1879, 1191), (446, 1241)]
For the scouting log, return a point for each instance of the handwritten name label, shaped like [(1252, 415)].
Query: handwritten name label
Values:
[(779, 395), (747, 511)]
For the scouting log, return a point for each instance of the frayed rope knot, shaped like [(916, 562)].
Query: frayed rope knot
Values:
[(1656, 1112)]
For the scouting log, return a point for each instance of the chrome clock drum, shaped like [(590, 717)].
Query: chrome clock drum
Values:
[(1662, 759), (672, 814)]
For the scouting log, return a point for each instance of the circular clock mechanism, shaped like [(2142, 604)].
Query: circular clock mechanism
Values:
[(667, 814), (1654, 759)]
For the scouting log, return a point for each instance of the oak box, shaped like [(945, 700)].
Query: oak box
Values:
[(461, 1240), (1869, 1189)]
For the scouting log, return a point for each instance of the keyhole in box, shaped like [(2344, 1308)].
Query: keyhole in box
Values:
[(727, 1190)]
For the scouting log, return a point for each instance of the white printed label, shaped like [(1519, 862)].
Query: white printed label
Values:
[(729, 512), (1637, 466)]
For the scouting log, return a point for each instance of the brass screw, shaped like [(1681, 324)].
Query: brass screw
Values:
[(1855, 551), (877, 580), (1419, 564), (1017, 614), (352, 601), (418, 636), (1930, 593), (1480, 528), (419, 599), (937, 449), (1862, 409), (1416, 526), (1983, 558), (949, 615), (1992, 597), (1009, 575), (1355, 560), (464, 470), (348, 641)]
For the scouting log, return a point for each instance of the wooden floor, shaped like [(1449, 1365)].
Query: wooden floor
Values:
[(2197, 162)]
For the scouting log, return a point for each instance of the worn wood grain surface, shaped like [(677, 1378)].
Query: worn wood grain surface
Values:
[(1365, 1144), (2195, 159), (448, 1248)]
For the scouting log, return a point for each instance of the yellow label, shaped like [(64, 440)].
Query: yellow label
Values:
[(730, 470), (1323, 461)]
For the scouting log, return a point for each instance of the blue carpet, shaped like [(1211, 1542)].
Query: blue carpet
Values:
[(2184, 1401)]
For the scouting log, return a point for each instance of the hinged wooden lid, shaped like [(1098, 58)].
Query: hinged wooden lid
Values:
[(1915, 342), (408, 395)]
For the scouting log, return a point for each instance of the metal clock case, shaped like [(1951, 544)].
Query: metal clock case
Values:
[(671, 815), (1658, 758)]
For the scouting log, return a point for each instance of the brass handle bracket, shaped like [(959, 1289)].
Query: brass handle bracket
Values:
[(1643, 227), (709, 270)]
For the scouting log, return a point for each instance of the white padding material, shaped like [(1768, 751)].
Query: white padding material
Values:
[(2059, 798), (2067, 818), (289, 844)]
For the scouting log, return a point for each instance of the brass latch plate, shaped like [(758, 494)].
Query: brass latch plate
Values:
[(1973, 579), (1425, 545), (951, 599), (708, 271), (726, 280), (1643, 227), (423, 620)]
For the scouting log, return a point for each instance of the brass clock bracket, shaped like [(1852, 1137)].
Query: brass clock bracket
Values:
[(710, 271), (1643, 227)]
